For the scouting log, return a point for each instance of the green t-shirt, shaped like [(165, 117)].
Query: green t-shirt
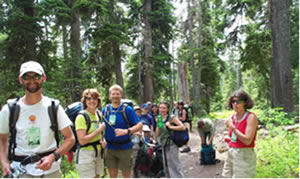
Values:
[(80, 124), (208, 127), (164, 133)]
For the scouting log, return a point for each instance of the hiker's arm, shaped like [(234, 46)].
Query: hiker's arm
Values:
[(183, 118), (46, 162), (252, 124), (179, 125), (210, 139), (4, 154), (84, 138), (133, 129)]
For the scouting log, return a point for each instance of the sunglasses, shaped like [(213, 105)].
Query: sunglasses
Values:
[(89, 98), (34, 77), (236, 101)]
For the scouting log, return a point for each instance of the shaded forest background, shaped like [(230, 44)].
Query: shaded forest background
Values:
[(224, 46)]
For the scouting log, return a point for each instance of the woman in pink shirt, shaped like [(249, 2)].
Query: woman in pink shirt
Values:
[(241, 160)]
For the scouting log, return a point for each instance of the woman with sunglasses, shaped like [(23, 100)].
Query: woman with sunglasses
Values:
[(89, 162), (241, 159)]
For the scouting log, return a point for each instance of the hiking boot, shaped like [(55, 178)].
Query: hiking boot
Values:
[(186, 150)]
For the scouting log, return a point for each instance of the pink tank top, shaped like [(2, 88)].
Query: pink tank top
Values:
[(241, 126)]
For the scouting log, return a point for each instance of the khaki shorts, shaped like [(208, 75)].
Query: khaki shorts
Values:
[(88, 165), (120, 159), (240, 163)]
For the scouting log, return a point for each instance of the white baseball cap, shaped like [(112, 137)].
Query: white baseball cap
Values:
[(31, 66), (146, 128)]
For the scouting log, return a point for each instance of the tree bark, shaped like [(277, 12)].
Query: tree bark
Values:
[(29, 38), (281, 76), (75, 53), (191, 47), (141, 93), (116, 50), (183, 84), (148, 86)]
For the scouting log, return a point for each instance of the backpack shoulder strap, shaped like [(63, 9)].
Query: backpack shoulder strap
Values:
[(124, 114), (52, 111), (87, 119), (14, 111), (106, 111)]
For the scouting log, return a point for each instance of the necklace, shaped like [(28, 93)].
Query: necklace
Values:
[(237, 122)]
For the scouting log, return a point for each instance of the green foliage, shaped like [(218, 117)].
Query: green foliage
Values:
[(271, 117), (220, 115), (68, 170), (278, 155)]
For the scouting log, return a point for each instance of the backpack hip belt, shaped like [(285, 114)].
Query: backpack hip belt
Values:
[(31, 158), (119, 143), (94, 144)]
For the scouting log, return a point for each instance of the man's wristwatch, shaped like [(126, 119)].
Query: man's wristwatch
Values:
[(128, 132), (57, 156)]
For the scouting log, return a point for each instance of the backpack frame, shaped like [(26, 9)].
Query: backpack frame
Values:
[(14, 112)]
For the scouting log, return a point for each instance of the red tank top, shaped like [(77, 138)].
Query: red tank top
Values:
[(241, 126)]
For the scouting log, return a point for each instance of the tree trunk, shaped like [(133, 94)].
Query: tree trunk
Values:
[(191, 47), (116, 50), (29, 38), (239, 75), (141, 93), (281, 78), (183, 84), (148, 87), (67, 71), (118, 65), (198, 70), (75, 53)]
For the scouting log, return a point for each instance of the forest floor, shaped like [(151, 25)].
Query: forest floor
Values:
[(191, 161)]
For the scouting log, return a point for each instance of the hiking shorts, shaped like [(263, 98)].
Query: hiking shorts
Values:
[(120, 159), (88, 164), (240, 163)]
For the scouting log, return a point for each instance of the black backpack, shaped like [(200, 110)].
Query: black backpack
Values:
[(73, 110), (14, 112), (180, 138)]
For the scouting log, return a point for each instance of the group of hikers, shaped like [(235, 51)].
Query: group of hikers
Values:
[(110, 138)]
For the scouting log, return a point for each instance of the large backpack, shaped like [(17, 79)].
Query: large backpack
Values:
[(208, 155), (180, 138), (73, 110), (14, 112)]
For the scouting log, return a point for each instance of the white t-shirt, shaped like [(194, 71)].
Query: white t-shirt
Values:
[(34, 121)]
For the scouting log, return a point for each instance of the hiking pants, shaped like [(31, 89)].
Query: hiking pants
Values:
[(240, 163), (172, 164)]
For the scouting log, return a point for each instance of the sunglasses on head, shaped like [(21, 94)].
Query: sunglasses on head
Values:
[(89, 98), (34, 77), (236, 101)]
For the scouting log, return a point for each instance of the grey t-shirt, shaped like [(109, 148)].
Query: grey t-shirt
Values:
[(208, 127)]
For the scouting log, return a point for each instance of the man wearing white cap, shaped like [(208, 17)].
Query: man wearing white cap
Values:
[(33, 143)]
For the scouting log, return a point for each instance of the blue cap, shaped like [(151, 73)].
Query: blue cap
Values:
[(144, 106)]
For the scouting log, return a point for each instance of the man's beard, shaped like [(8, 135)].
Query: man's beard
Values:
[(33, 90)]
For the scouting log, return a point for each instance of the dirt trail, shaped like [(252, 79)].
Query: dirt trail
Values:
[(191, 161)]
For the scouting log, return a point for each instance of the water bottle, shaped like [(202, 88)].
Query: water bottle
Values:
[(160, 123)]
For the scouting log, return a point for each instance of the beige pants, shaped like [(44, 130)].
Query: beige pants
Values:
[(240, 163), (88, 165), (56, 174)]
